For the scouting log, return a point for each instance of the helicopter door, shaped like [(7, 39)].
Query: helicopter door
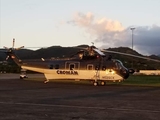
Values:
[(72, 65)]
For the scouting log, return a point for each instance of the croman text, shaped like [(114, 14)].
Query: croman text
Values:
[(67, 72)]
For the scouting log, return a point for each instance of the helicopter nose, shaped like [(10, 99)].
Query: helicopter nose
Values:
[(131, 70), (125, 73)]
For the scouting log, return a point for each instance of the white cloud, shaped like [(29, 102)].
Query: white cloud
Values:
[(82, 19), (111, 33), (109, 25)]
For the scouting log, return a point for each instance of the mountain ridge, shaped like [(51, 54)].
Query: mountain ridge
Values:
[(61, 52)]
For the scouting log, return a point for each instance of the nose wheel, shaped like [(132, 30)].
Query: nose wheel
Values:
[(103, 83), (95, 83)]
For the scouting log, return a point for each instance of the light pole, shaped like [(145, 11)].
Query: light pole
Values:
[(132, 29)]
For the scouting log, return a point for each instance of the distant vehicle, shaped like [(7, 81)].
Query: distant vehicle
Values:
[(23, 74), (3, 72)]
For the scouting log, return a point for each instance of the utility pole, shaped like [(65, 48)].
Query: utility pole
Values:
[(132, 29)]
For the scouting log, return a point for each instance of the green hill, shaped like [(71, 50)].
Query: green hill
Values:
[(60, 52)]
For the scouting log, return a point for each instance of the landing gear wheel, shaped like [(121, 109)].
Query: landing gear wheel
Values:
[(103, 83), (95, 83), (46, 81)]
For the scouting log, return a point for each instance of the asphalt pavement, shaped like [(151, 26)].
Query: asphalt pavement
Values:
[(34, 100)]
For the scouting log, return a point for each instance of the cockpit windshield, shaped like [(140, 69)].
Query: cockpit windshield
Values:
[(121, 70), (119, 64)]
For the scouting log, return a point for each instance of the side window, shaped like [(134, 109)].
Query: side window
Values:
[(97, 67), (104, 68), (56, 66), (71, 66), (51, 66), (89, 67)]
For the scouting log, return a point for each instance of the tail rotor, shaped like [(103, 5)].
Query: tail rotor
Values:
[(12, 49)]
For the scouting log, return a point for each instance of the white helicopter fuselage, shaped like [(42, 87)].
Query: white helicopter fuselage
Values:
[(91, 66), (64, 74)]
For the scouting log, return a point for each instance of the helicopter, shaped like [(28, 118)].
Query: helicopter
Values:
[(89, 63)]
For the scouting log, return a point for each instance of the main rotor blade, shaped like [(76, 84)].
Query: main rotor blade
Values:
[(93, 48), (99, 52), (126, 54), (19, 48), (5, 47), (81, 48)]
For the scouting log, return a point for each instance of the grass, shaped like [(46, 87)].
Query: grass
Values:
[(142, 80)]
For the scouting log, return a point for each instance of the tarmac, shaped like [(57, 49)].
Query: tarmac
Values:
[(34, 100)]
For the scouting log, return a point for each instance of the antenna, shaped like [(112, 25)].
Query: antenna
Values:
[(92, 43), (13, 43)]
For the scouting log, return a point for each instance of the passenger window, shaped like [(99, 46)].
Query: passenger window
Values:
[(90, 67), (71, 67), (97, 67), (56, 66), (104, 68), (51, 67)]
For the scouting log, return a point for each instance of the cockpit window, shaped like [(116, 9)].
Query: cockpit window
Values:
[(118, 64), (121, 70)]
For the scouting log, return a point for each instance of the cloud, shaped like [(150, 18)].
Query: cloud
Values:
[(83, 20), (111, 33), (147, 39)]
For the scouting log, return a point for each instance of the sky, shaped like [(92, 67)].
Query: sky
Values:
[(107, 23)]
